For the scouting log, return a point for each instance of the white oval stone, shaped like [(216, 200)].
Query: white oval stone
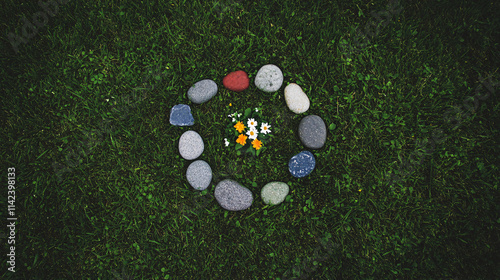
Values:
[(191, 145), (269, 78), (296, 100), (274, 193)]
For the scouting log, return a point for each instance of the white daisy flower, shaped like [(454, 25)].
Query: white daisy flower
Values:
[(226, 142), (252, 133), (251, 123), (256, 110), (264, 128), (234, 119)]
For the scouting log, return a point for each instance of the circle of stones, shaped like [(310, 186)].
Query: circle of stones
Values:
[(268, 79)]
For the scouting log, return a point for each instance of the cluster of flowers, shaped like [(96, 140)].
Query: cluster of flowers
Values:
[(257, 135)]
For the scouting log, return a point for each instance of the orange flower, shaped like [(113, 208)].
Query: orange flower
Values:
[(242, 140), (257, 144), (239, 126)]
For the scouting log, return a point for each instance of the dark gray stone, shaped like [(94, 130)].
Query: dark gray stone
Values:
[(202, 91), (180, 115), (312, 132), (302, 164), (232, 196), (199, 174)]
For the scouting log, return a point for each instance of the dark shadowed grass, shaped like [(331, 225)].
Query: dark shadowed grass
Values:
[(403, 189)]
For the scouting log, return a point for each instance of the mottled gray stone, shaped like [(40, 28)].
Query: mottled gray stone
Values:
[(312, 132), (269, 78), (191, 145), (202, 91), (199, 174), (232, 196), (274, 193), (302, 164), (180, 115)]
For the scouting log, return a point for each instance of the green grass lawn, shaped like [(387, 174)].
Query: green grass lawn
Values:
[(406, 187)]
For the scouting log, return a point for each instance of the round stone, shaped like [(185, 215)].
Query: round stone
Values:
[(296, 100), (232, 196), (274, 193), (236, 81), (269, 78), (202, 91), (199, 174), (312, 132), (180, 115), (191, 145), (302, 164)]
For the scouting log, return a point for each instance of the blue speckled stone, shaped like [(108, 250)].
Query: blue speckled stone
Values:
[(302, 164), (180, 115)]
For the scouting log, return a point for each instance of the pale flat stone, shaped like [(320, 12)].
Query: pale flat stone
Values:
[(274, 193)]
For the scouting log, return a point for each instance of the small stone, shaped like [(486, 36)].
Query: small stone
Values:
[(232, 196), (236, 81), (191, 145), (199, 174), (274, 193), (202, 91), (312, 132), (302, 164), (296, 100), (180, 115), (269, 78)]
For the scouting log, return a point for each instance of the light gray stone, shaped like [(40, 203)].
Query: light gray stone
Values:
[(232, 196), (296, 99), (191, 145), (274, 193), (312, 132), (199, 174), (202, 91), (269, 78)]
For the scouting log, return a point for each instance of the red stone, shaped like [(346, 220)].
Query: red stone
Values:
[(236, 81)]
